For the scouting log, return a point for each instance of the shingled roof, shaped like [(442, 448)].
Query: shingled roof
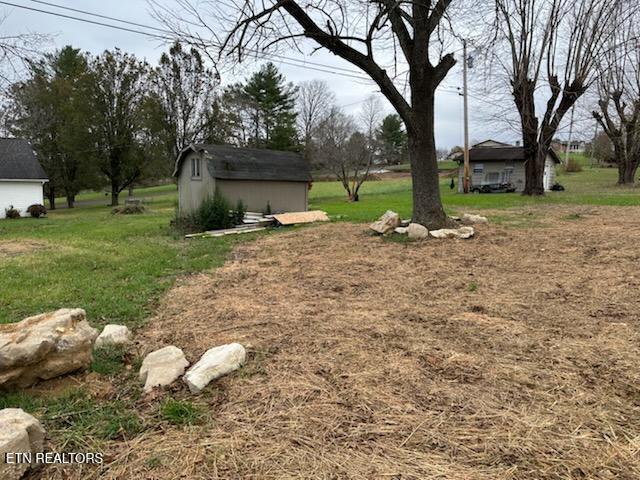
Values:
[(18, 161), (233, 163), (499, 154)]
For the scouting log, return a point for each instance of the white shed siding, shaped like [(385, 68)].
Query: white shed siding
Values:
[(192, 191), (20, 194), (517, 176)]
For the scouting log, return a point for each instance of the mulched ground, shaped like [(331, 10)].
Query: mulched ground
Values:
[(514, 355)]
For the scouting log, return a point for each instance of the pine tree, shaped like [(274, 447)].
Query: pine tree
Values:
[(393, 139)]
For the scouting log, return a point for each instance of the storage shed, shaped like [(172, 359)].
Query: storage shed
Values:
[(258, 177), (21, 176)]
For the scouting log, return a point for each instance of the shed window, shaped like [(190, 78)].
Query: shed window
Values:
[(195, 168), (478, 168)]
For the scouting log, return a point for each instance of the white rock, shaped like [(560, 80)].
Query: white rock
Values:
[(113, 334), (162, 367), (19, 433), (44, 347), (215, 363), (462, 232), (387, 223), (416, 231), (401, 230), (470, 219)]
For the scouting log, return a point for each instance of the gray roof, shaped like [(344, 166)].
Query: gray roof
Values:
[(18, 161), (234, 163), (499, 154)]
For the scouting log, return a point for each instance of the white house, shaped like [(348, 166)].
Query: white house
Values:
[(21, 176), (496, 162)]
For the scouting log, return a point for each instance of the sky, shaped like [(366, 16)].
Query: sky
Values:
[(349, 92)]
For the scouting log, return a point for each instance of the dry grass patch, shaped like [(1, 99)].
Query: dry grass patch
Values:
[(13, 248), (372, 359)]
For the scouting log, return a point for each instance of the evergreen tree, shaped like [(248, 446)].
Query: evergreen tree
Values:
[(272, 102), (393, 139)]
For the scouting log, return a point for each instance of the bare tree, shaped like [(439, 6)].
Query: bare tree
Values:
[(315, 100), (619, 91), (369, 35), (345, 151), (14, 50), (557, 43)]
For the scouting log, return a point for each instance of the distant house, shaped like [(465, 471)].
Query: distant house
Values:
[(258, 177), (21, 176), (575, 146), (496, 162)]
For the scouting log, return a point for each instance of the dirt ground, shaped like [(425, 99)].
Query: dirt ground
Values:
[(514, 355), (10, 248)]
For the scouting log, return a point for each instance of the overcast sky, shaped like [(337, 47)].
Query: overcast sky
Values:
[(349, 92)]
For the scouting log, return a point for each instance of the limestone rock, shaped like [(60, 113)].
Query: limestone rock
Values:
[(19, 433), (415, 231), (162, 367), (387, 223), (215, 363), (114, 335), (44, 347), (462, 232), (470, 219), (401, 230)]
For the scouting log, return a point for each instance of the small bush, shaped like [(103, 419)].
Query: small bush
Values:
[(180, 412), (36, 210), (214, 213), (572, 166), (12, 212), (128, 210)]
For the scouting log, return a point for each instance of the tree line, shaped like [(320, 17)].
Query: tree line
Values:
[(113, 120)]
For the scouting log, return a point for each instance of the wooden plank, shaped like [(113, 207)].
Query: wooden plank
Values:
[(227, 231), (293, 218)]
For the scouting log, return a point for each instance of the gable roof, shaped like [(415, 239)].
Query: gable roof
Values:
[(18, 161), (500, 154), (491, 144), (233, 163)]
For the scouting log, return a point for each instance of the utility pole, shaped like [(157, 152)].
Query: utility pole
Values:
[(465, 177), (566, 151), (593, 146)]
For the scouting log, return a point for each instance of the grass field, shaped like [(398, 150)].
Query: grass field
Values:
[(117, 266)]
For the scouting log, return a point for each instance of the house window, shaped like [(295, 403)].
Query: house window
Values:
[(478, 168), (195, 168), (492, 177)]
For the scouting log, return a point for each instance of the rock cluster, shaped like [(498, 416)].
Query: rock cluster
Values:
[(462, 232), (162, 367), (113, 335), (387, 223), (215, 363), (44, 347)]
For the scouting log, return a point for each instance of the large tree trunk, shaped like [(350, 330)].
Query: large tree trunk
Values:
[(71, 200), (535, 157), (627, 172), (115, 193), (427, 206), (51, 196)]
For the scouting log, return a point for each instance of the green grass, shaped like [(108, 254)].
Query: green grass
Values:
[(108, 359), (180, 412), (113, 266), (75, 419)]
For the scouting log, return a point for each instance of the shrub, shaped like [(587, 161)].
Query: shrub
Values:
[(128, 210), (214, 213), (36, 210), (572, 166), (12, 212)]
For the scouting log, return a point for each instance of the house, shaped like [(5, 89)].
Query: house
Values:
[(497, 162), (21, 176), (260, 178), (575, 146)]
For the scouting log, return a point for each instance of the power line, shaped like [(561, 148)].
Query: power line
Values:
[(328, 68)]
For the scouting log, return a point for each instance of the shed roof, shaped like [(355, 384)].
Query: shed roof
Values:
[(500, 154), (18, 161), (233, 163)]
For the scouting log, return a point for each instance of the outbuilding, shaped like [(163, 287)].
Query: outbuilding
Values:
[(493, 162), (263, 179), (21, 176)]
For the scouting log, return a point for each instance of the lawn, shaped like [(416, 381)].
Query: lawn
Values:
[(117, 266)]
